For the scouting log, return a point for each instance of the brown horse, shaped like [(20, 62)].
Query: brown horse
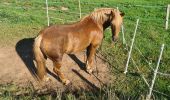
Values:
[(56, 40)]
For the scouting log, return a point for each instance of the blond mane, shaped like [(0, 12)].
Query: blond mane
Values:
[(99, 15)]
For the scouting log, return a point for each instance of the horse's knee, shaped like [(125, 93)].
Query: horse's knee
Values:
[(56, 69), (57, 66)]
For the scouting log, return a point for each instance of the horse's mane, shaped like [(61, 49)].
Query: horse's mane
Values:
[(99, 15)]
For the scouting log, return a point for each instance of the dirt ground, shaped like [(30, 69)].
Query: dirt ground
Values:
[(17, 66)]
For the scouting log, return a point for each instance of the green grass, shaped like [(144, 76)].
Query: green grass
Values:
[(24, 19)]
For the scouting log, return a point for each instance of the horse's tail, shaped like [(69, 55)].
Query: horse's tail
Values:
[(39, 58)]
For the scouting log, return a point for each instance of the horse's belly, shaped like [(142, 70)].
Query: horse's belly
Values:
[(76, 47), (75, 50)]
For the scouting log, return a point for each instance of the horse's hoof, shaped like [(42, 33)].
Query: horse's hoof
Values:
[(66, 82), (46, 79), (89, 71)]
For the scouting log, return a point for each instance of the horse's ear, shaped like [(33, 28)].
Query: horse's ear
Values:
[(122, 14)]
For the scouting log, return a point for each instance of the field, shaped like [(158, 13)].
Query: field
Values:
[(21, 19)]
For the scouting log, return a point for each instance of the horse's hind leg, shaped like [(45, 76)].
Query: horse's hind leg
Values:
[(41, 70), (91, 50), (56, 69)]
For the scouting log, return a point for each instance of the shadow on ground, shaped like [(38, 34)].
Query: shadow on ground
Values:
[(79, 63), (24, 49)]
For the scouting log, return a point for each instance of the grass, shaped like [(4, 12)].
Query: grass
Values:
[(23, 19), (11, 91)]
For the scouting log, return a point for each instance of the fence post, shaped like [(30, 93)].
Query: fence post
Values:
[(80, 8), (48, 20), (155, 73), (167, 16), (123, 36), (129, 54), (117, 8)]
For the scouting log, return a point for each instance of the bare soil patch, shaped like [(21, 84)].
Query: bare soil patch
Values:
[(17, 66)]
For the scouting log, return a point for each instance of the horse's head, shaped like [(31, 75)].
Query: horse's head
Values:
[(109, 17), (115, 19)]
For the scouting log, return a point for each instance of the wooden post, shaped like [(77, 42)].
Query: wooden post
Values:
[(129, 54), (155, 73), (80, 8), (167, 17), (48, 20), (123, 34)]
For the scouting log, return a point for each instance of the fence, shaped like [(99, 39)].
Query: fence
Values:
[(147, 6), (155, 71), (131, 47), (79, 13)]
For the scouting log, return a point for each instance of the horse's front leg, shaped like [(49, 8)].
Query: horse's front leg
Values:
[(91, 50)]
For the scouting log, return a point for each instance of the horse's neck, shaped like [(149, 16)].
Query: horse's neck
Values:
[(96, 23), (87, 21), (106, 25), (102, 25)]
